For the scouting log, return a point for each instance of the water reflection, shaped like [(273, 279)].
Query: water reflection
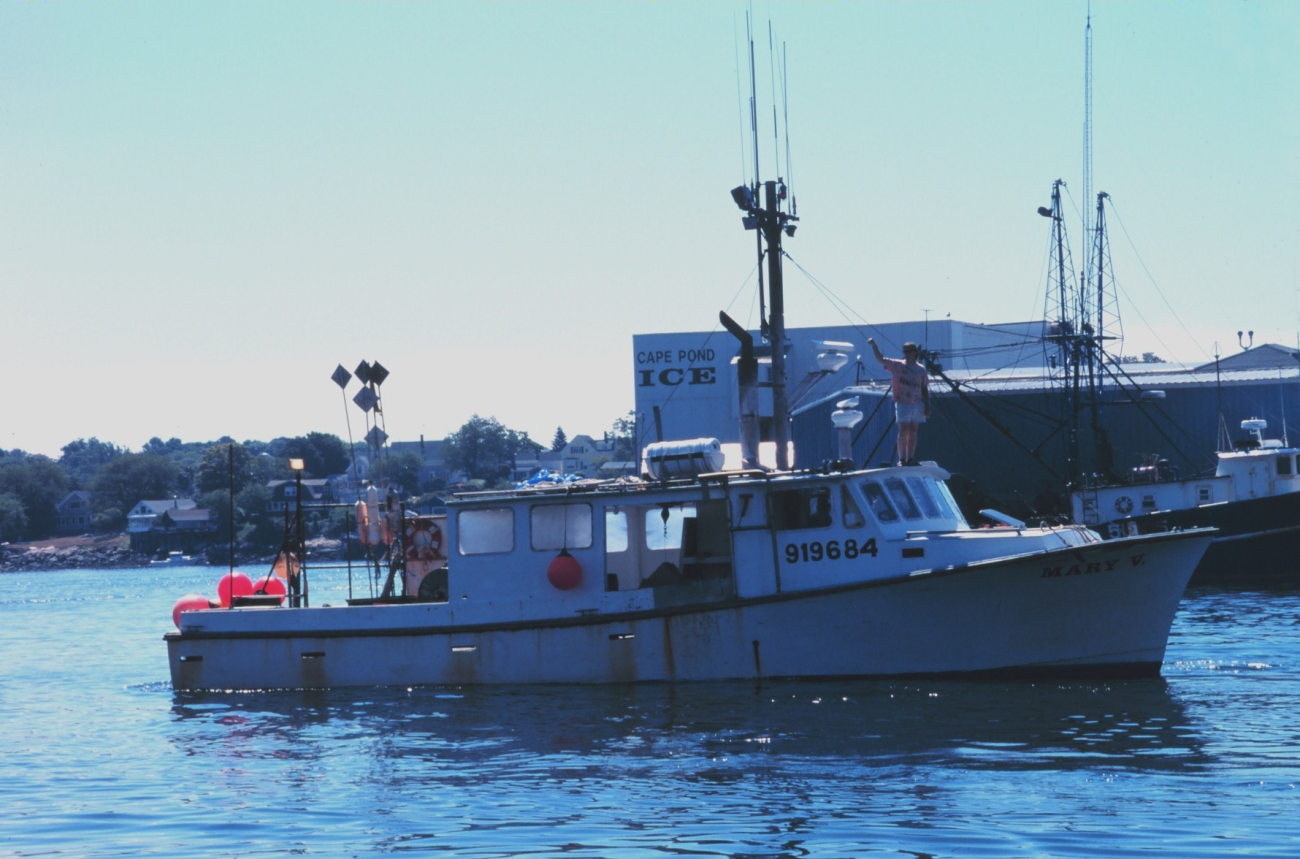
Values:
[(726, 728)]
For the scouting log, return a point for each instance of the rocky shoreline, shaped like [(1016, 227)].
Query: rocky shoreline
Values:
[(114, 553), (96, 555)]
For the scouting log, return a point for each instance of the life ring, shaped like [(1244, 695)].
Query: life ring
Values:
[(423, 540), (1124, 505)]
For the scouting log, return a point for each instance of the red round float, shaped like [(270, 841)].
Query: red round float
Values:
[(564, 571), (234, 584), (189, 602)]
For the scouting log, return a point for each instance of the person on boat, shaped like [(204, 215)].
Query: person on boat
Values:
[(911, 390)]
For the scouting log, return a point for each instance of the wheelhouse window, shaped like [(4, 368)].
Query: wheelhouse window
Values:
[(485, 532), (795, 509), (921, 491), (849, 512), (947, 506), (1284, 466), (560, 526), (663, 526), (615, 531), (902, 498), (878, 501)]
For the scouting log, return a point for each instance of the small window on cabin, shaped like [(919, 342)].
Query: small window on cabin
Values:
[(615, 531), (1204, 495), (850, 513), (486, 532), (946, 510), (878, 501), (1284, 466), (921, 492), (560, 526), (902, 499), (663, 526), (795, 509)]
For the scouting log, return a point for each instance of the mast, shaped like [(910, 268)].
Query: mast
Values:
[(770, 220), (1063, 315)]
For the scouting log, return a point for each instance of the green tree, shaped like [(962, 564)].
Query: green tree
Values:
[(215, 472), (13, 519), (560, 440), (484, 449), (82, 458), (163, 448), (624, 438), (256, 527), (133, 477), (402, 470), (38, 484), (322, 454)]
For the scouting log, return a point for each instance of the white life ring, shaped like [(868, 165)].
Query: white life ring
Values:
[(423, 540), (1124, 505)]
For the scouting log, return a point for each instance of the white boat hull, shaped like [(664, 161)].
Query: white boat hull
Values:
[(1101, 609)]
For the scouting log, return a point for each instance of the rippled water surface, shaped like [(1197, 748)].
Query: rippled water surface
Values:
[(98, 757)]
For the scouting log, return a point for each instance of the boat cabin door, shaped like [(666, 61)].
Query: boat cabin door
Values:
[(754, 550)]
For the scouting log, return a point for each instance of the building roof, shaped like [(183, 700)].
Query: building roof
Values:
[(197, 514), (1268, 356), (160, 504)]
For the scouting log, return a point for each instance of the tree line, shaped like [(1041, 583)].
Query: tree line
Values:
[(32, 485)]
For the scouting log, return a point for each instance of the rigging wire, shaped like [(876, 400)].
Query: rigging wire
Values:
[(1159, 291), (785, 109), (643, 432), (771, 71), (740, 109)]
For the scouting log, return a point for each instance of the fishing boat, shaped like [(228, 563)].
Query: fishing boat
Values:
[(697, 572), (1253, 500)]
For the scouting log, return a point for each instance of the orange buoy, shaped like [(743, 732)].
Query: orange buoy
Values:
[(189, 602), (286, 565), (564, 572)]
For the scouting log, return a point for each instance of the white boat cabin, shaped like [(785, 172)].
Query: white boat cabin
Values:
[(1259, 468), (719, 536)]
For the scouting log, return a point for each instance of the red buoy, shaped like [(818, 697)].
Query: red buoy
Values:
[(564, 572), (233, 584), (271, 586), (189, 602)]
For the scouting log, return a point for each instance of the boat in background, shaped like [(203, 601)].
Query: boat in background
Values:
[(1253, 500), (174, 559)]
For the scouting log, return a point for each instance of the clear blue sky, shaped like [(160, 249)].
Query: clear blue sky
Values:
[(204, 207)]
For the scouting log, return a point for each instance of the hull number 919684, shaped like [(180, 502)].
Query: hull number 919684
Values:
[(832, 550)]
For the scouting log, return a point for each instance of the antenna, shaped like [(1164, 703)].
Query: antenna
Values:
[(785, 110), (753, 187), (1087, 137)]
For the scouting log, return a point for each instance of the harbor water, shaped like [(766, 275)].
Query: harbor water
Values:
[(100, 758)]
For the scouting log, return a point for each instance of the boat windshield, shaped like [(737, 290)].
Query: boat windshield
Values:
[(878, 501), (921, 491), (902, 498)]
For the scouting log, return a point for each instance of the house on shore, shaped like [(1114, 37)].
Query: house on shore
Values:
[(73, 513)]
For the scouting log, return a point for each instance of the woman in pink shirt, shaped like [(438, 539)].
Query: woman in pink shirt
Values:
[(911, 389)]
